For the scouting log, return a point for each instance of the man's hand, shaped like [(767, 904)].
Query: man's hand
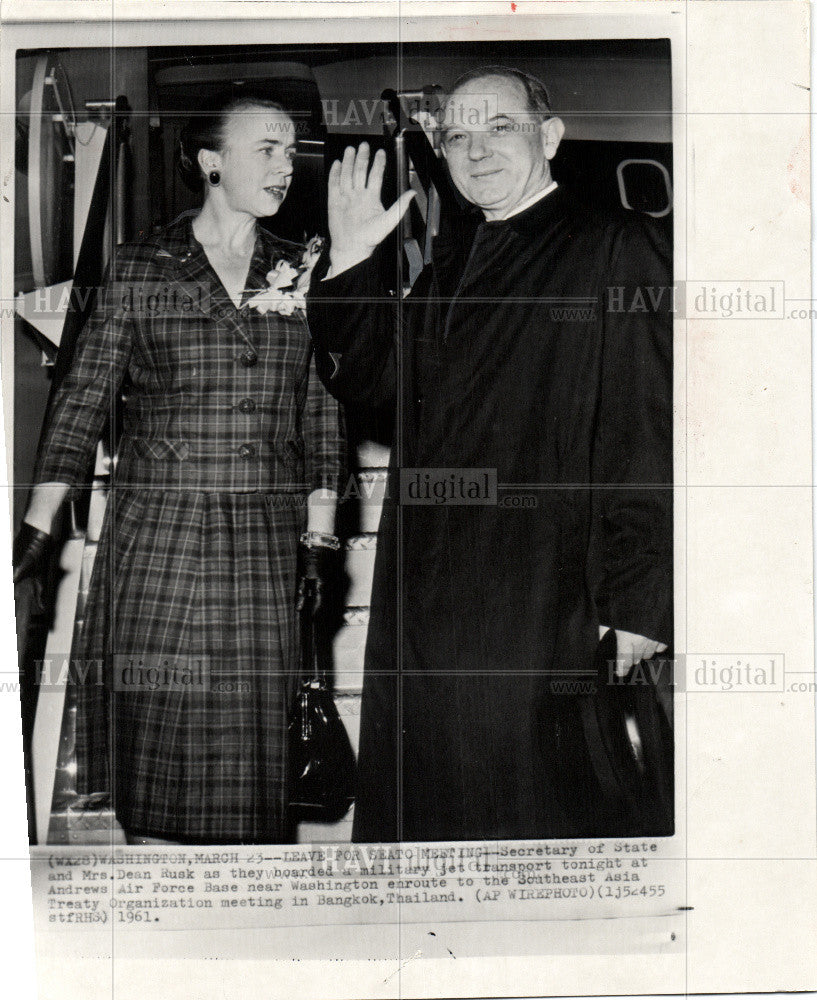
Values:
[(632, 649), (357, 220)]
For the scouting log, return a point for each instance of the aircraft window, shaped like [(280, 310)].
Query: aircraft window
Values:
[(645, 186)]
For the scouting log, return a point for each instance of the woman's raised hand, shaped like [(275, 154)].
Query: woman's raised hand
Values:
[(357, 220)]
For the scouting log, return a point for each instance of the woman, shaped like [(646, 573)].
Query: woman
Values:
[(230, 449)]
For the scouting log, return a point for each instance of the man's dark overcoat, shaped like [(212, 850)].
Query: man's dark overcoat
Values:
[(539, 347)]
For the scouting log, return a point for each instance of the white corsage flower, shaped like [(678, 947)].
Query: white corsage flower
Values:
[(287, 284)]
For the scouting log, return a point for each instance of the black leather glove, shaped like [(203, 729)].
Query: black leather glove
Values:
[(316, 565), (29, 557)]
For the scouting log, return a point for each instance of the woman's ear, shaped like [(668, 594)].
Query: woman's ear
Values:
[(208, 160)]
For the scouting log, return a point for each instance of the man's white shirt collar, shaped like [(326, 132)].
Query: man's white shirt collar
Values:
[(529, 201)]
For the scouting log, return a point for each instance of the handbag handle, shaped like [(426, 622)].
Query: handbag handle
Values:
[(309, 644), (315, 676)]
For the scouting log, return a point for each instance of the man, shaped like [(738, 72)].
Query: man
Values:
[(478, 606)]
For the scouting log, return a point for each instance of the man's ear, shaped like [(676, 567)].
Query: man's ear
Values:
[(552, 131)]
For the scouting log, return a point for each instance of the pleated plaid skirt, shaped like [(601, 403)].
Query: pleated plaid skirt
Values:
[(191, 612)]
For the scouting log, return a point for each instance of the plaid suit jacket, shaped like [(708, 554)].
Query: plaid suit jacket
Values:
[(216, 398)]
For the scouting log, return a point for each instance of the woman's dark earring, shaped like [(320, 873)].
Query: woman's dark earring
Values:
[(214, 177)]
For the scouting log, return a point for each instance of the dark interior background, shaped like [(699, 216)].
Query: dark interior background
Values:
[(614, 96)]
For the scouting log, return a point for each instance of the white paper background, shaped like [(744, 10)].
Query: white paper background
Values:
[(745, 566)]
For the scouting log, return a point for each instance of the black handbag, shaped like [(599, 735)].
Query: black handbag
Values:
[(322, 762)]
